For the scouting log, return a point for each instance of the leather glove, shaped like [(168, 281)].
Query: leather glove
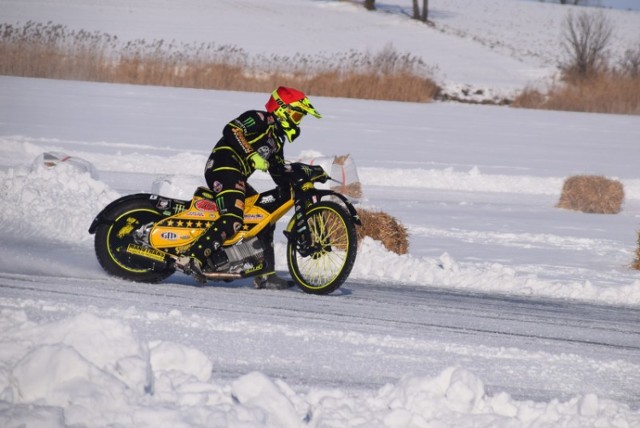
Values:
[(318, 174), (309, 172), (258, 162)]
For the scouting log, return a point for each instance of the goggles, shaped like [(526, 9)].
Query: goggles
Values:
[(296, 114)]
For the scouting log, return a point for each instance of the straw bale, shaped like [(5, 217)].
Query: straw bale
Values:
[(636, 262), (592, 194), (384, 228)]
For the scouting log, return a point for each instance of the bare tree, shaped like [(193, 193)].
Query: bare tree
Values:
[(573, 2), (630, 63), (585, 38), (421, 15)]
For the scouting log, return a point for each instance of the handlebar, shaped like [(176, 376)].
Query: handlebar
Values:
[(301, 172)]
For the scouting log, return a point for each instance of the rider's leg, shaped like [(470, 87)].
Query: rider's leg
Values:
[(269, 279), (228, 192)]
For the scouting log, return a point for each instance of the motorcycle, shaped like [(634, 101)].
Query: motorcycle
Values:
[(140, 237)]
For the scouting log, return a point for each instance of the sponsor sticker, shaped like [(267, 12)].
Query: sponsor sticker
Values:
[(163, 204), (254, 269), (267, 199), (243, 142), (253, 217), (150, 253), (220, 204), (206, 206), (169, 236), (264, 151)]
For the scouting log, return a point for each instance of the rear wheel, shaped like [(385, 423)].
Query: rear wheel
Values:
[(120, 253), (327, 262)]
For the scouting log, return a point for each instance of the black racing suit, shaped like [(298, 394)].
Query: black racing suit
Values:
[(228, 169)]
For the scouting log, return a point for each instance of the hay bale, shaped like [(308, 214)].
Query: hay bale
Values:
[(384, 228), (352, 190), (592, 194), (636, 262)]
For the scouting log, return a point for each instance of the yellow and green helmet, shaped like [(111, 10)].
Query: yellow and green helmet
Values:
[(289, 106)]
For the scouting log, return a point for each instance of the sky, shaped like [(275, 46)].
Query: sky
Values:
[(506, 312)]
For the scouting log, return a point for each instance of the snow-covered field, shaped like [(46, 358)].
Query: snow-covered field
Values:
[(506, 312), (478, 50)]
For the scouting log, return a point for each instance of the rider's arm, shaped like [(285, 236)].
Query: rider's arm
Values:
[(248, 134), (278, 171), (242, 130)]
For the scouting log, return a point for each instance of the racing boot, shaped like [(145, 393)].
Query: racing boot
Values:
[(271, 281), (192, 264)]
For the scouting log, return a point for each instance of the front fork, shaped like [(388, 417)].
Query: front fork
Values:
[(300, 234)]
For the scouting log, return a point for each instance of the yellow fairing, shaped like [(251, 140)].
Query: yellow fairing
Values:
[(257, 218), (184, 228)]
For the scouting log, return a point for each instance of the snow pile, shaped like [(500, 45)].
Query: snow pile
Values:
[(474, 180), (51, 203), (93, 371)]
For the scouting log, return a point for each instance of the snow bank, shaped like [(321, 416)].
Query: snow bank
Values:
[(87, 370), (474, 180), (51, 203)]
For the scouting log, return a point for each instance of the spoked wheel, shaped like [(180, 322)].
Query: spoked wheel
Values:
[(117, 250), (323, 265)]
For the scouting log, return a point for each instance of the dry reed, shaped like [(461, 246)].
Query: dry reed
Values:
[(608, 92), (54, 51)]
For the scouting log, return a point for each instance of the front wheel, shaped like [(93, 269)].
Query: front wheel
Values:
[(327, 261)]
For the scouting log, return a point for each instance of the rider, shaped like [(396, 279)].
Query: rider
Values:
[(254, 140)]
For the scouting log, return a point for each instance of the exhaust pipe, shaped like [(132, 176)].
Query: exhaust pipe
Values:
[(222, 276)]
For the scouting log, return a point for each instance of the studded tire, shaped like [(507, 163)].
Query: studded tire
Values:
[(334, 243), (114, 241)]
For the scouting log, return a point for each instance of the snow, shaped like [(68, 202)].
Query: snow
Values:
[(506, 312), (492, 49)]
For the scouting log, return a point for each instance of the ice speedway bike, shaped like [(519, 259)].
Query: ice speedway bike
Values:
[(139, 237)]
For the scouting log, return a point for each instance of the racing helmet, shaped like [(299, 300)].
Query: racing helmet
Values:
[(289, 106)]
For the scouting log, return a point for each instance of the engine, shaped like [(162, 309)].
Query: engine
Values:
[(244, 255)]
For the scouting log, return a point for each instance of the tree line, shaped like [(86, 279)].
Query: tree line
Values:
[(421, 8)]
